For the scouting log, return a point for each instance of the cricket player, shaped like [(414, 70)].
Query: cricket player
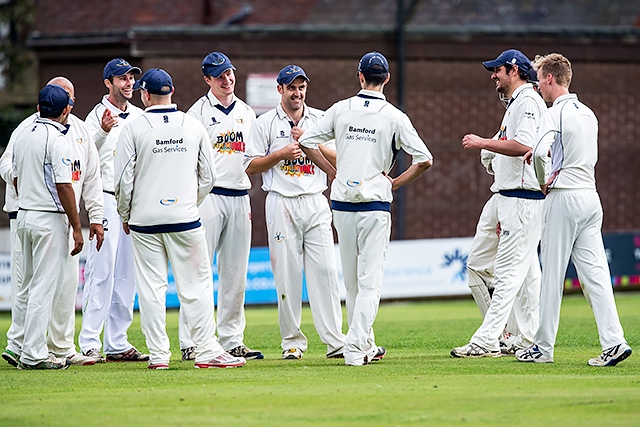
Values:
[(298, 219), (109, 289), (368, 131), (572, 216), (87, 184), (226, 212), (47, 206), (515, 207), (160, 211)]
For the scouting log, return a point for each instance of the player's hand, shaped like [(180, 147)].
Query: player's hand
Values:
[(125, 227), (108, 120), (296, 132), (96, 230), (390, 179), (498, 229), (470, 141), (78, 242), (528, 157), (291, 152)]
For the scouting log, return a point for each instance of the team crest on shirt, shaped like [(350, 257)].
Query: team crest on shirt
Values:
[(278, 237), (229, 142), (240, 120), (81, 140), (301, 166)]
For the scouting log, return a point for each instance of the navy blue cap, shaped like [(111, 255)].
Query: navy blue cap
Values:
[(52, 100), (512, 57), (289, 74), (373, 63), (119, 67), (156, 81), (216, 63)]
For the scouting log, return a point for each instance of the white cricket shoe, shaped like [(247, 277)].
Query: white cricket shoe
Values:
[(292, 353), (612, 356), (473, 350), (224, 360), (508, 345), (532, 354), (78, 359)]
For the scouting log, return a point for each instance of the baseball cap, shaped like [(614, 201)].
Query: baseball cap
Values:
[(512, 57), (373, 63), (119, 67), (289, 74), (215, 63), (52, 99), (156, 81)]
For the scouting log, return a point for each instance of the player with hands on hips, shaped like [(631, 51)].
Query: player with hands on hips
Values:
[(298, 218), (110, 287), (572, 225), (503, 254), (368, 131)]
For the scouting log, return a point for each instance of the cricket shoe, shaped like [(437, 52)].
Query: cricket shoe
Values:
[(81, 360), (380, 353), (224, 360), (52, 362), (95, 355), (612, 356), (247, 353), (12, 358), (131, 355), (292, 353), (473, 350), (188, 353), (532, 354), (158, 366), (508, 344), (336, 354)]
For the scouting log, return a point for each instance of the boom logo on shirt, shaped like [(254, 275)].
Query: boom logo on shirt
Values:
[(301, 166), (230, 142)]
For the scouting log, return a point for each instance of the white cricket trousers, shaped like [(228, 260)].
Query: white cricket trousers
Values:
[(572, 228), (15, 334), (227, 224), (110, 287), (363, 238), (187, 252), (62, 327), (301, 238), (524, 318), (520, 221), (44, 237)]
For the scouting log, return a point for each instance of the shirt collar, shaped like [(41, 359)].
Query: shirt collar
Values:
[(373, 93), (58, 125), (565, 98), (113, 108), (282, 115), (162, 107), (214, 101)]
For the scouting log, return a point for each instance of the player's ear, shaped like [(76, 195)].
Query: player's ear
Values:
[(280, 89)]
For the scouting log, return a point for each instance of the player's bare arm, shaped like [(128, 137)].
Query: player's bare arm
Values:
[(409, 175), (68, 200), (316, 157), (96, 231), (328, 153), (261, 164), (509, 147)]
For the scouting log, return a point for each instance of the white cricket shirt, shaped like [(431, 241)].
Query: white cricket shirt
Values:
[(290, 178), (229, 130), (164, 169), (106, 141), (520, 122), (570, 129)]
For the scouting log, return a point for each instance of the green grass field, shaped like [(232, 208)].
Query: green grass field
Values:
[(417, 384)]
